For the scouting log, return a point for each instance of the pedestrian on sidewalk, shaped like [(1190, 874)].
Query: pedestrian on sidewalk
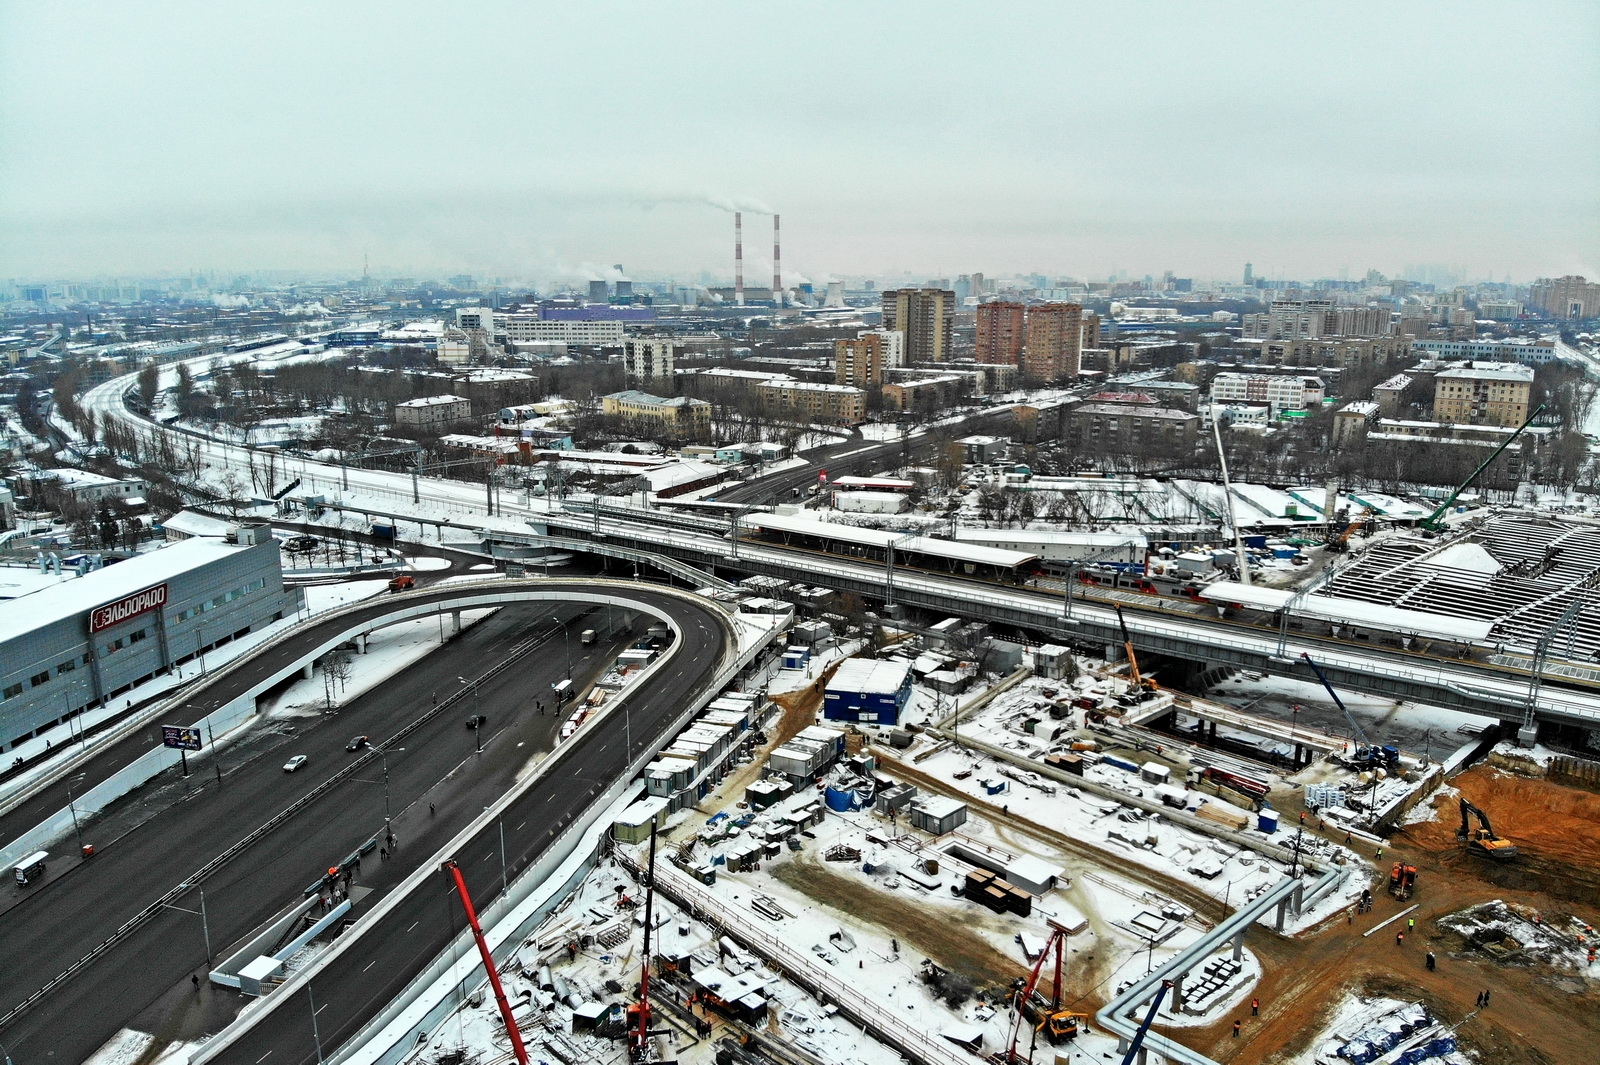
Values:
[(1236, 1029), (1347, 839), (1431, 961), (196, 979), (430, 809)]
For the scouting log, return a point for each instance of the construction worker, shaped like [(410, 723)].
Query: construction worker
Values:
[(1380, 854), (1399, 939), (1255, 1007), (1236, 1029), (1431, 961)]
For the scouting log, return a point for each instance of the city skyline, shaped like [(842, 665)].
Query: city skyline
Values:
[(498, 140)]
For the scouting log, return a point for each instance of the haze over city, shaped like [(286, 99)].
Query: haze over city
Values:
[(527, 141)]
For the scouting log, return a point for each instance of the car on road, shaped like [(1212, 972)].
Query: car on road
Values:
[(356, 744), (402, 583), (295, 763), (477, 721), (301, 544)]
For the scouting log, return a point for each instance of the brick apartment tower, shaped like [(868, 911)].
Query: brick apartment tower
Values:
[(1055, 342), (1002, 328), (924, 316), (859, 362)]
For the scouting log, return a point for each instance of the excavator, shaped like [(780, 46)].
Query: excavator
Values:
[(1047, 1016), (1482, 841)]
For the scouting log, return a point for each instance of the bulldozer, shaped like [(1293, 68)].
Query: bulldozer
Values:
[(1482, 841)]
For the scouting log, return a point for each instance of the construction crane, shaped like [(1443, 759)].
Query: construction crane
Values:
[(1435, 521), (1140, 683), (488, 963), (1367, 753), (639, 1014), (1482, 841), (1144, 1027), (1057, 1024), (1340, 542)]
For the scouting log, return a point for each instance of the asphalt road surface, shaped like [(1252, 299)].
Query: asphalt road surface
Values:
[(63, 919)]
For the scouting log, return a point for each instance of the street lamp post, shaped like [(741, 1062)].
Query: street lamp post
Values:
[(205, 922), (566, 632), (477, 729)]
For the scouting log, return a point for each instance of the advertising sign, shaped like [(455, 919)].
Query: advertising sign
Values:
[(180, 737), (103, 617)]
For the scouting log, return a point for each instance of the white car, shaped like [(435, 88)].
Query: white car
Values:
[(295, 763)]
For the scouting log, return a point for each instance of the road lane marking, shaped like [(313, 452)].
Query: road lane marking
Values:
[(374, 961), (486, 857), (414, 924), (263, 1057), (519, 827)]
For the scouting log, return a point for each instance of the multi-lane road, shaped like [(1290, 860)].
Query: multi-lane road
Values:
[(137, 982)]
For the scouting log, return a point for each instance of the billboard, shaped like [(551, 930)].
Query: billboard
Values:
[(180, 737), (103, 617)]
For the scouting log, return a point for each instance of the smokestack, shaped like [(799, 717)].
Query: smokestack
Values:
[(777, 266), (738, 259)]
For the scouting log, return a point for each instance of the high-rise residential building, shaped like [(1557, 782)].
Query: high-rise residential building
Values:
[(862, 362), (1249, 273), (924, 316), (1054, 342), (1483, 393), (1291, 320), (648, 360), (1361, 321), (1571, 296), (1001, 333)]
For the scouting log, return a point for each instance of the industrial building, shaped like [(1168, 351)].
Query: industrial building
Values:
[(867, 692), (82, 641)]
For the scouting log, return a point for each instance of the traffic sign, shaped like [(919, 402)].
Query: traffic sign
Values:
[(180, 737)]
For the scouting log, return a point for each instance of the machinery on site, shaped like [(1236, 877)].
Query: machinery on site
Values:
[(1144, 1026), (1339, 542), (1367, 755), (1141, 684), (1402, 880), (639, 1013), (1044, 1015), (512, 1031), (1482, 840), (1435, 521)]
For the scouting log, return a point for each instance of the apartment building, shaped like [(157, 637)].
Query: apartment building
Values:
[(1291, 320), (1483, 393), (1277, 392), (805, 401), (432, 413), (1054, 343), (1526, 352), (680, 416), (530, 328), (864, 361), (649, 360), (1001, 333), (1127, 428), (1572, 296), (924, 316), (927, 394), (1352, 421)]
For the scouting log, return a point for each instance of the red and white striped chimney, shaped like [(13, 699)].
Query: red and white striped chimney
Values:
[(738, 258), (777, 266)]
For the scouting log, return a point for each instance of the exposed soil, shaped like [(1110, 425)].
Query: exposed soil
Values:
[(1539, 1015), (947, 943)]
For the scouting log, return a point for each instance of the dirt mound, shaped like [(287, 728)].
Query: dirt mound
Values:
[(1556, 828)]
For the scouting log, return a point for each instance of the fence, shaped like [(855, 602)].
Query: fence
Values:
[(1565, 769)]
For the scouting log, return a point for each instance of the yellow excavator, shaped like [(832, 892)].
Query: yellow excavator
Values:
[(1482, 841)]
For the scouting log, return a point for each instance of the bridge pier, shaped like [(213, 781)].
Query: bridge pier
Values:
[(361, 643), (1238, 946), (1283, 909), (308, 670), (455, 623)]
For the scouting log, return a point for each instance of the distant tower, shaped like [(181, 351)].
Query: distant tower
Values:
[(738, 259), (835, 294), (1249, 274), (777, 266)]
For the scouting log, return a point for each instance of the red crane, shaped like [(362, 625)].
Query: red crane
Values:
[(1057, 1022), (488, 964), (639, 1037)]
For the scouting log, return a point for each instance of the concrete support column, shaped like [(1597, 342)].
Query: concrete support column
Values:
[(361, 643), (1299, 895), (1238, 946), (308, 670), (1283, 909), (455, 622), (1177, 992)]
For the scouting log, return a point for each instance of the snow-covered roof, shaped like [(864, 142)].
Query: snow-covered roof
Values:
[(1474, 558), (927, 545), (191, 523), (869, 675), (1351, 611), (98, 587), (433, 401)]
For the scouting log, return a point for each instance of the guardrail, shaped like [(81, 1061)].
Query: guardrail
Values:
[(259, 832)]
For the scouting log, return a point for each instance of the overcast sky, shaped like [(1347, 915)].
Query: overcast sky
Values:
[(528, 140)]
